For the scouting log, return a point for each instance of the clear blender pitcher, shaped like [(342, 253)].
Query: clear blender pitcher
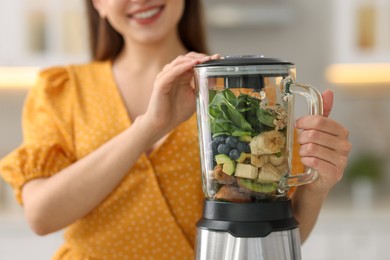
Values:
[(245, 110)]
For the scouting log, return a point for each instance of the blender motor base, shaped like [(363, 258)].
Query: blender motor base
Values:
[(280, 245)]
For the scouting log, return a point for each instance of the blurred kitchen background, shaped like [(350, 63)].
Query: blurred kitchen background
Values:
[(343, 45)]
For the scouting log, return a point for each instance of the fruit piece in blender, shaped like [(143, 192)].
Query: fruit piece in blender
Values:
[(269, 142), (268, 173), (243, 147), (234, 154), (222, 177), (228, 165), (231, 141), (246, 171), (259, 160), (243, 157), (268, 187), (223, 149), (277, 160), (231, 193)]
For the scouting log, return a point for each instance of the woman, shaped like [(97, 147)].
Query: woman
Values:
[(110, 147)]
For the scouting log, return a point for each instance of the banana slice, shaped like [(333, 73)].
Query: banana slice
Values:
[(276, 160), (267, 143), (259, 160)]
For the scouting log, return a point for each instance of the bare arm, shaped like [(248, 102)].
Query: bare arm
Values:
[(307, 205), (324, 147), (55, 202)]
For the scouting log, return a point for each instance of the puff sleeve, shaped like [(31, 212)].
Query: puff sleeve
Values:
[(47, 132)]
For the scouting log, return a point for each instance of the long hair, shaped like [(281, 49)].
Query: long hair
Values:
[(106, 43)]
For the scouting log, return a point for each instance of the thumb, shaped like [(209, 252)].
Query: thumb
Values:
[(327, 97)]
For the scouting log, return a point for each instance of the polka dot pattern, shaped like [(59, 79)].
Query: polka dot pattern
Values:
[(153, 212)]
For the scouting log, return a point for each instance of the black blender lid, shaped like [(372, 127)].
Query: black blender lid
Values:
[(243, 61)]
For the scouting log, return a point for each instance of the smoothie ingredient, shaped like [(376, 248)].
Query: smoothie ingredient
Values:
[(234, 154), (231, 193), (228, 165), (243, 157), (239, 116), (246, 171), (259, 160), (258, 187), (268, 173), (277, 159), (269, 142), (222, 177), (243, 146)]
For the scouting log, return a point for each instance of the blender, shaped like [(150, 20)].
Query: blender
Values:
[(245, 108)]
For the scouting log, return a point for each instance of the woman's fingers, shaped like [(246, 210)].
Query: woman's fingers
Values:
[(182, 64), (330, 173), (174, 70), (199, 57), (334, 142), (327, 98), (324, 139), (322, 124), (322, 153), (329, 160)]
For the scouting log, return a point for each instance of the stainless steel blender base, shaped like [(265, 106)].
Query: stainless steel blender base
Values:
[(216, 245)]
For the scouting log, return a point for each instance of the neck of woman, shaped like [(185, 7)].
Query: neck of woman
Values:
[(137, 57)]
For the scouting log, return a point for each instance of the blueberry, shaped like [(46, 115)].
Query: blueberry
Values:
[(223, 148), (243, 147), (234, 154), (232, 141), (214, 147), (220, 139)]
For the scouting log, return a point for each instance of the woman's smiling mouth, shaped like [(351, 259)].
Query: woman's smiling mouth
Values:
[(147, 16)]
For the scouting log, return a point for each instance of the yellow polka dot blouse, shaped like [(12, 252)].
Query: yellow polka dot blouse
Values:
[(152, 213)]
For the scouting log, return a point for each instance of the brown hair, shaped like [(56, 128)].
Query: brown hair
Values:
[(106, 43)]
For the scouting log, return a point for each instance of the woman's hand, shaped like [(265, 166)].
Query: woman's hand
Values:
[(173, 99), (324, 146)]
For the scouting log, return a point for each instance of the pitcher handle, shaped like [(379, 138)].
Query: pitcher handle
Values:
[(315, 107)]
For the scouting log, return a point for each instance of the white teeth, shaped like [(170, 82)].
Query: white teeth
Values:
[(146, 14)]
